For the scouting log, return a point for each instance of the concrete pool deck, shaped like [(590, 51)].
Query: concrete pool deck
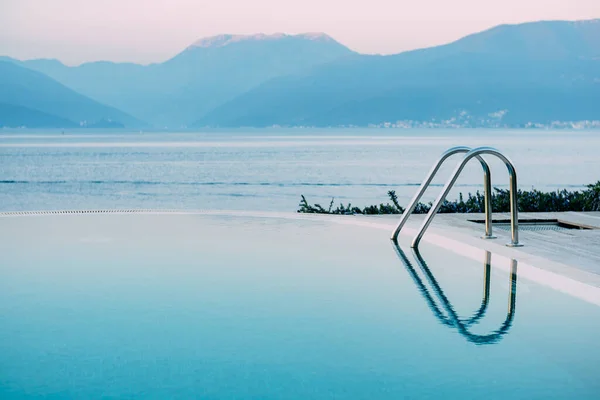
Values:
[(575, 252)]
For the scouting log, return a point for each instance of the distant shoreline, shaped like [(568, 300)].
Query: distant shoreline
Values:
[(296, 128)]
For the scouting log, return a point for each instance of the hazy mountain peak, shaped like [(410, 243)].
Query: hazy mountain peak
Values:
[(317, 36), (587, 22), (35, 61), (538, 40), (226, 39)]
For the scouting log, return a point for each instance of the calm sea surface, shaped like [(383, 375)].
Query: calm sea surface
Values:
[(270, 169)]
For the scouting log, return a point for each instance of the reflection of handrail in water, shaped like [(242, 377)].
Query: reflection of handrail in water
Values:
[(431, 302), (422, 288), (452, 319), (485, 299)]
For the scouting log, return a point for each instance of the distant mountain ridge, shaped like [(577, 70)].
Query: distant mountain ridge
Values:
[(15, 116), (510, 75), (32, 99), (533, 74), (206, 74), (227, 39)]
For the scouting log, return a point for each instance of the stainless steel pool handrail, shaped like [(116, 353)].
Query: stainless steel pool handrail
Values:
[(514, 212), (487, 191)]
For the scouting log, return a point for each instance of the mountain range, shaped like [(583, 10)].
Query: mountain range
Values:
[(510, 75), (208, 73), (30, 98)]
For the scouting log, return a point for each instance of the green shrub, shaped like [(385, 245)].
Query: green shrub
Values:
[(529, 201)]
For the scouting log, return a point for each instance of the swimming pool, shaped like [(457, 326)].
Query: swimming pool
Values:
[(230, 306)]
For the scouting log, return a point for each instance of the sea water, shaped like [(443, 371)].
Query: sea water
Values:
[(269, 169)]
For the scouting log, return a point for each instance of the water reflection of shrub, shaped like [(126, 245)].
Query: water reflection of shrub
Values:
[(529, 201)]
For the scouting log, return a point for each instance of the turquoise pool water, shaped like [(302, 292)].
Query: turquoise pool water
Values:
[(217, 307)]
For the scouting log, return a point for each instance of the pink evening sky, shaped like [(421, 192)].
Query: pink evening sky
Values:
[(145, 31)]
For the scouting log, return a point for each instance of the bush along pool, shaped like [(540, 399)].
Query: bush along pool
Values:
[(529, 201)]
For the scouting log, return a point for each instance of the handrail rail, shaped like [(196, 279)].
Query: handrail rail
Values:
[(460, 326), (514, 212), (487, 191), (452, 320)]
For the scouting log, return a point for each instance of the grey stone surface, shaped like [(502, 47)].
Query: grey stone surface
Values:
[(574, 251)]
